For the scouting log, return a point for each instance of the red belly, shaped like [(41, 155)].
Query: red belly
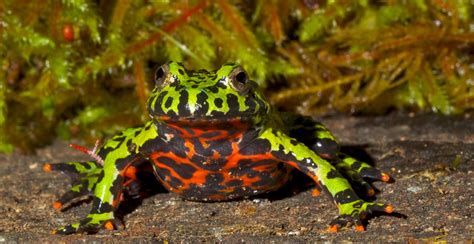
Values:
[(237, 176)]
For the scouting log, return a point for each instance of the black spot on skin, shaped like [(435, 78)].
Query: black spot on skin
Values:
[(195, 86), (249, 137), (137, 132), (105, 151), (213, 89), (181, 72), (280, 154), (162, 173), (86, 165), (250, 104), (148, 126), (183, 108), (193, 81), (221, 84), (218, 102), (165, 175), (118, 138), (265, 181), (176, 145), (224, 148), (202, 100), (356, 165), (210, 134), (66, 168), (169, 102), (174, 182), (124, 162), (257, 147), (153, 145), (159, 100), (214, 178), (245, 162), (102, 207), (346, 196), (218, 114), (242, 169), (305, 135), (333, 174), (172, 114), (176, 84), (233, 104), (234, 183), (262, 106), (294, 142), (326, 146), (184, 170), (269, 162), (131, 147)]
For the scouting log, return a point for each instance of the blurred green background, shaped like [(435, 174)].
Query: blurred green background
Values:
[(83, 68)]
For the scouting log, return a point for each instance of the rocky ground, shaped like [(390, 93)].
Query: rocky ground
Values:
[(430, 156)]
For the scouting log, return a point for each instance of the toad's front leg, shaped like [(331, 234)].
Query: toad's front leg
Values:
[(105, 198), (351, 207)]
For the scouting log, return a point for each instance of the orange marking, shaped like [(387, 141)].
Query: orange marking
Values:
[(57, 205), (204, 143), (309, 173), (190, 146), (216, 155), (325, 155), (263, 168), (198, 178), (47, 168), (199, 129), (232, 162), (359, 228), (117, 200), (247, 181), (333, 228), (385, 177), (315, 192), (389, 209), (131, 172), (109, 225), (370, 192)]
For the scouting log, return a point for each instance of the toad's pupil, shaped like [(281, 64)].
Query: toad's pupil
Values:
[(241, 77), (159, 73)]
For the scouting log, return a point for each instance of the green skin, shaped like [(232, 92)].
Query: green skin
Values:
[(227, 100)]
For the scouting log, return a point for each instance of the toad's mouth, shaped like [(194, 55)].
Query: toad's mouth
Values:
[(204, 129), (206, 123)]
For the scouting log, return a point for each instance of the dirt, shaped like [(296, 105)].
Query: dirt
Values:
[(430, 156)]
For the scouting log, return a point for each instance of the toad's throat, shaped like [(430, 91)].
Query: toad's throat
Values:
[(209, 130)]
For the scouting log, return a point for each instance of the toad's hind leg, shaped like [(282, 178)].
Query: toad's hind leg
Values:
[(313, 134), (351, 207), (83, 176), (317, 137), (358, 172)]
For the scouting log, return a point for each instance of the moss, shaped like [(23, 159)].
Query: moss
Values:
[(83, 68)]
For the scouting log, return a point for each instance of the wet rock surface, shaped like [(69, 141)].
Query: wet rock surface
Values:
[(430, 156)]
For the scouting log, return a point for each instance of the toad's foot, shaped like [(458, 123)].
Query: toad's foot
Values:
[(83, 178), (353, 213), (358, 173), (92, 224)]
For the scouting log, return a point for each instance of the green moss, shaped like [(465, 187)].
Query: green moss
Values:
[(82, 68)]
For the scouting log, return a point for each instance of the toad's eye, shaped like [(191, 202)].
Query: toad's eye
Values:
[(239, 80), (161, 74)]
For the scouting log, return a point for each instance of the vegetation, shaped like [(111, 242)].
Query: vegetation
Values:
[(83, 68)]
